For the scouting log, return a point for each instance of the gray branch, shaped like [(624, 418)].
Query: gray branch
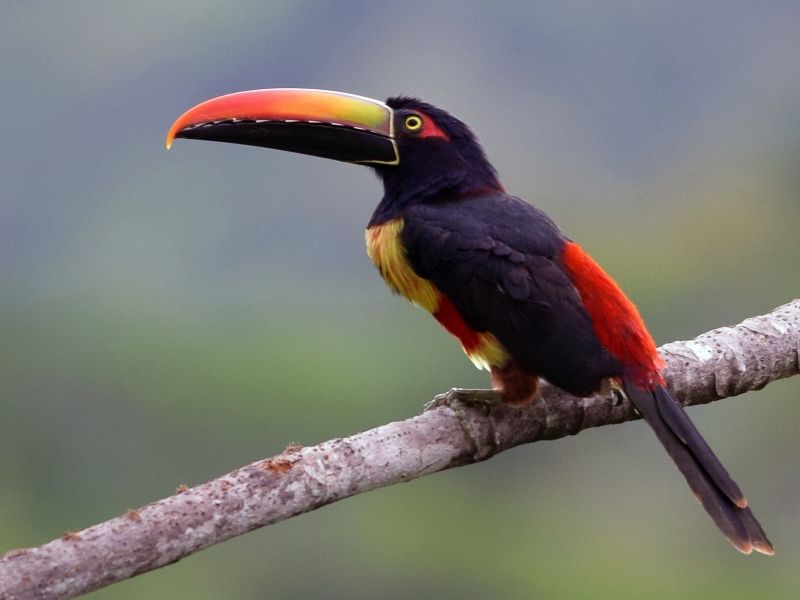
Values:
[(718, 364)]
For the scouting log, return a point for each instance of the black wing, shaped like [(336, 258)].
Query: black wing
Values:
[(498, 260)]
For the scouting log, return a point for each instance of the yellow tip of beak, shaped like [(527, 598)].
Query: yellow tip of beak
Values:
[(174, 130)]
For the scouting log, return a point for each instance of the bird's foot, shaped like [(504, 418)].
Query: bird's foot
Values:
[(464, 395), (617, 394), (458, 400)]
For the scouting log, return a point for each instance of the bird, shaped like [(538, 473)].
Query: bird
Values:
[(525, 301)]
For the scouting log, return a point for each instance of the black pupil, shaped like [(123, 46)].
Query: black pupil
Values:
[(413, 122)]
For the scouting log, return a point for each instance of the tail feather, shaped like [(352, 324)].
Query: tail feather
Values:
[(708, 479), (678, 422)]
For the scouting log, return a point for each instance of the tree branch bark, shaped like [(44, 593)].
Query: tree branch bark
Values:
[(718, 364)]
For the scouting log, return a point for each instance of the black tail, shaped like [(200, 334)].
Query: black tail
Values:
[(710, 482)]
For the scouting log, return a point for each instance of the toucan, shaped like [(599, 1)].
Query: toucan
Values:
[(524, 300)]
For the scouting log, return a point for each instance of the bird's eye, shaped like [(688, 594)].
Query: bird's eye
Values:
[(412, 123)]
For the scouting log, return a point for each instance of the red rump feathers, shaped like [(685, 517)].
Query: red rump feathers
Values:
[(616, 320)]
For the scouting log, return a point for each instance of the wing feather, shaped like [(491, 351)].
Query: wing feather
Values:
[(498, 260)]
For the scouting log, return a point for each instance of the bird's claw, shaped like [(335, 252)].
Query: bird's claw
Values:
[(462, 395), (457, 400)]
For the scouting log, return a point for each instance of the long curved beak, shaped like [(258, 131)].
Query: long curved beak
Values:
[(317, 122)]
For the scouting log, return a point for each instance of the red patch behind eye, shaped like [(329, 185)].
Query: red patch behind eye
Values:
[(431, 129)]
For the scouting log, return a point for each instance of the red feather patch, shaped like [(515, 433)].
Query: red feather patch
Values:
[(616, 321), (449, 318)]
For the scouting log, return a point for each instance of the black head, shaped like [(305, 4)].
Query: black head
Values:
[(439, 156)]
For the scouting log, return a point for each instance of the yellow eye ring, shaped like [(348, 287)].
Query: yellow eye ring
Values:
[(412, 123)]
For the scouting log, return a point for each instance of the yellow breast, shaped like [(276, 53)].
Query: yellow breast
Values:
[(385, 249)]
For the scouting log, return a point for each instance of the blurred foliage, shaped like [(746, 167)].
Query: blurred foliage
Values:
[(167, 317)]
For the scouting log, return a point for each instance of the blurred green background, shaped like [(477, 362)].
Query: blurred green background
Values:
[(168, 316)]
